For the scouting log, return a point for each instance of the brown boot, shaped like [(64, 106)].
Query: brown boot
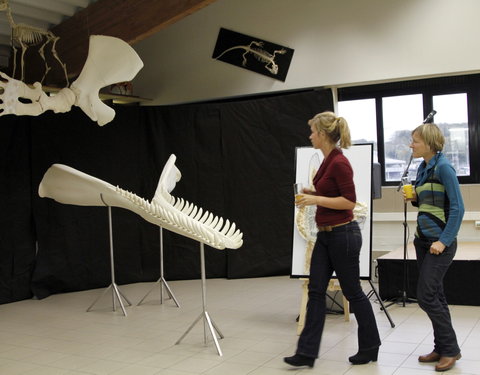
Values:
[(431, 357), (446, 363)]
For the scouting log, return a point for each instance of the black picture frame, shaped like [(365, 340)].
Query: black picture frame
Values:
[(254, 54)]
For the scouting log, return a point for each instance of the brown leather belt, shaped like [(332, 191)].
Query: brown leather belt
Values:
[(329, 228)]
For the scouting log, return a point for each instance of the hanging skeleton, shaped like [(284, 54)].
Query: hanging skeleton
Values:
[(25, 36), (110, 60)]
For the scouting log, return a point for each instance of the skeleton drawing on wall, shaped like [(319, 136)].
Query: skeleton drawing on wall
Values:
[(110, 60), (253, 54), (25, 36), (255, 49)]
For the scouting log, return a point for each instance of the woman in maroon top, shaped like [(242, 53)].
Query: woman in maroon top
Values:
[(337, 247)]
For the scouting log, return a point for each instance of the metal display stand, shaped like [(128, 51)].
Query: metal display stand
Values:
[(207, 321), (161, 281), (116, 293)]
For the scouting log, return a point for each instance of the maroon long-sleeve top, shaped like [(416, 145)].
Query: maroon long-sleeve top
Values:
[(333, 179)]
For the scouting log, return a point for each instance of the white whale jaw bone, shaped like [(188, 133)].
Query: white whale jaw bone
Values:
[(70, 186)]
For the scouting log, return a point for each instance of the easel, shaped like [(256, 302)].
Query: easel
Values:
[(161, 281), (115, 290), (207, 321)]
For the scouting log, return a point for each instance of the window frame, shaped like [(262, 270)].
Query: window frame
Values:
[(469, 84)]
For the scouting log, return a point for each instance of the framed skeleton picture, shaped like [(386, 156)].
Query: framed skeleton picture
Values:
[(254, 54)]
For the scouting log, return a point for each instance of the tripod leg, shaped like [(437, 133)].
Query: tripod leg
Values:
[(170, 293), (98, 298), (145, 296), (334, 302), (189, 329), (384, 307), (123, 295), (119, 298), (381, 303), (214, 334), (220, 334)]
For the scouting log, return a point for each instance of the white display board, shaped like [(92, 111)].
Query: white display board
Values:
[(360, 156)]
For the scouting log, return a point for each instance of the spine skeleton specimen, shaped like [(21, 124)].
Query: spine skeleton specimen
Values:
[(110, 60), (70, 186)]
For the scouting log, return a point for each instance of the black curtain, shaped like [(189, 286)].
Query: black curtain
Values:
[(259, 141), (17, 235), (237, 160), (73, 241)]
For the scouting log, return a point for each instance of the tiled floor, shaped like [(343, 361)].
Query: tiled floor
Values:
[(56, 336)]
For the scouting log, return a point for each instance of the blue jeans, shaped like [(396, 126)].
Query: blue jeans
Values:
[(339, 251), (431, 298)]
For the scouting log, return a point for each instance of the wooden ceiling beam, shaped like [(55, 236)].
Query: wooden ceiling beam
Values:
[(129, 20)]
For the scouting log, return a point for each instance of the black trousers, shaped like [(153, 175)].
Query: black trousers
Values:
[(339, 251), (431, 298)]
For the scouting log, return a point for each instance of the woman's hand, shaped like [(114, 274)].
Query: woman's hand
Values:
[(303, 200), (437, 248), (414, 196)]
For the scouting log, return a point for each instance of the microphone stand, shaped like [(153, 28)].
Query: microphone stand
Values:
[(403, 298)]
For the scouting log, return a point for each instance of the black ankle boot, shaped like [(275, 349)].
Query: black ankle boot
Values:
[(364, 356), (299, 360)]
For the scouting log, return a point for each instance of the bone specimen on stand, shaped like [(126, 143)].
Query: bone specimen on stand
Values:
[(70, 186)]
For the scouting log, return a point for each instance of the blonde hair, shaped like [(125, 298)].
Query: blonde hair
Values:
[(336, 128), (431, 135)]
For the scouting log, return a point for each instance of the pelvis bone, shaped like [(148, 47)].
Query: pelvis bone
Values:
[(110, 60), (70, 186)]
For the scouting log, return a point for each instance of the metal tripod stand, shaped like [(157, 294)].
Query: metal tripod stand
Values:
[(207, 321), (116, 293), (161, 281)]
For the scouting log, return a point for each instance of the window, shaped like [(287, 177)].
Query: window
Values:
[(401, 114), (361, 117), (452, 119), (395, 109)]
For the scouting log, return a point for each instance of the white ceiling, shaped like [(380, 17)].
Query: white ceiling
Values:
[(39, 13)]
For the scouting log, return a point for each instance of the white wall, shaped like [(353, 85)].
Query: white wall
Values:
[(336, 42)]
